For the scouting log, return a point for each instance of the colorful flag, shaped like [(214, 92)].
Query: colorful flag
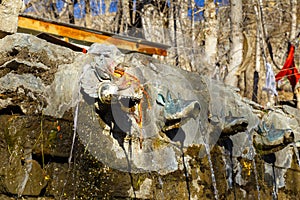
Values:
[(289, 69)]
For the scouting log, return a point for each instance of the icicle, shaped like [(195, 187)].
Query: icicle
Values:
[(210, 162), (275, 188), (213, 178), (251, 152)]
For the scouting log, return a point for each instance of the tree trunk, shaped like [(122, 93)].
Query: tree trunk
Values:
[(294, 19), (193, 30), (211, 33), (71, 12), (175, 18), (236, 36), (88, 14), (261, 57), (53, 9), (293, 38), (257, 55)]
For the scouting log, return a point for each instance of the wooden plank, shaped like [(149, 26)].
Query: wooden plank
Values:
[(89, 35)]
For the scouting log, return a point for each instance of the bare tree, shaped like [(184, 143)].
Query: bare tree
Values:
[(236, 38), (88, 14), (294, 19), (211, 32), (70, 8), (293, 38)]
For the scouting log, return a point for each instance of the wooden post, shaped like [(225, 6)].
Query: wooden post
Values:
[(9, 11)]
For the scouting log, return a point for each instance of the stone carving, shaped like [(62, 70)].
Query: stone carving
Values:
[(148, 103), (136, 115)]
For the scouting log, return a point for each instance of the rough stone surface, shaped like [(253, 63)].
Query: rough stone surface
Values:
[(192, 129), (36, 72), (9, 12)]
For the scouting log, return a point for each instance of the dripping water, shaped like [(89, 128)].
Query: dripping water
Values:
[(213, 178), (251, 154), (228, 170), (275, 188), (271, 159), (161, 186), (227, 144)]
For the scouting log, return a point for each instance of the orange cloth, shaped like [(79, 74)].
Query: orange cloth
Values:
[(289, 69)]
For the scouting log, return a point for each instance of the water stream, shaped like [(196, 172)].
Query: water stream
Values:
[(228, 161), (275, 188), (228, 170), (213, 178), (207, 148), (252, 156), (161, 186)]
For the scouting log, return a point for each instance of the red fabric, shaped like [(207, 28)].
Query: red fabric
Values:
[(289, 69)]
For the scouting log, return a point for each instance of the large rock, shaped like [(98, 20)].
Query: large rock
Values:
[(144, 129), (179, 110), (38, 76)]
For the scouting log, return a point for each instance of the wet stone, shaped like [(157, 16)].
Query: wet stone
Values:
[(143, 130)]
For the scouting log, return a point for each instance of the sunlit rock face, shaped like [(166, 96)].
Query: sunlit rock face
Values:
[(151, 109), (143, 129)]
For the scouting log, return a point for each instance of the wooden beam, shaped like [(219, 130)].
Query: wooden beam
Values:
[(92, 36)]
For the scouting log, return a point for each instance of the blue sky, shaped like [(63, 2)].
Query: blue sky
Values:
[(199, 5), (97, 9)]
